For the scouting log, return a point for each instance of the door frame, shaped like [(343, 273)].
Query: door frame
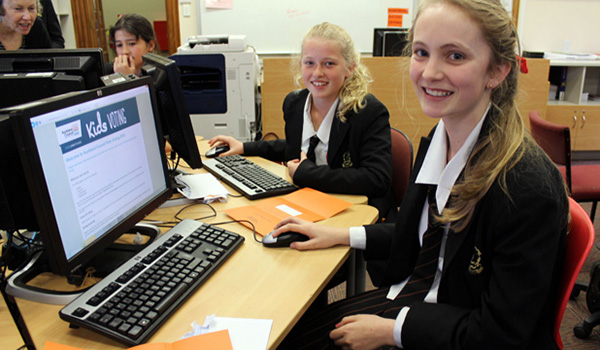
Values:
[(90, 11)]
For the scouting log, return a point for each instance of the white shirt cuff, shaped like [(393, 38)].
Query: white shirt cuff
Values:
[(398, 326), (358, 237)]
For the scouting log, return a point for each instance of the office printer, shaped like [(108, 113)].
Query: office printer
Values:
[(218, 43), (219, 74)]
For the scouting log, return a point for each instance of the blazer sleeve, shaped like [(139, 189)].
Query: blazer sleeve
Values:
[(366, 167), (273, 150), (508, 304)]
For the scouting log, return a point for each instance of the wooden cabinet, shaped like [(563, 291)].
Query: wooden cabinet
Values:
[(584, 122), (581, 114)]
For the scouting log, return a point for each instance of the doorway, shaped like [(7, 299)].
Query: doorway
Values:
[(92, 18)]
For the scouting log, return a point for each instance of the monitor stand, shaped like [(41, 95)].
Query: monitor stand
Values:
[(113, 257)]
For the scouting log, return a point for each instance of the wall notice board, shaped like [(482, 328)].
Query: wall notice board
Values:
[(277, 26)]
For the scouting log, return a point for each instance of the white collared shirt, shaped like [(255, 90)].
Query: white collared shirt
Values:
[(308, 130), (434, 171)]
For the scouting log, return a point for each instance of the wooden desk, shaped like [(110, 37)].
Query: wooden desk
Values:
[(256, 282)]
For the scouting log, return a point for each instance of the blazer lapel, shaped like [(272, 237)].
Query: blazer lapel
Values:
[(336, 136), (455, 240)]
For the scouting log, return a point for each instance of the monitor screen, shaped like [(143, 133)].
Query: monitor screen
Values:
[(389, 41), (48, 72), (174, 115), (94, 165)]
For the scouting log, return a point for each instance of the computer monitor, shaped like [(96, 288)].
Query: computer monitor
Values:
[(40, 73), (389, 41), (174, 115), (94, 166)]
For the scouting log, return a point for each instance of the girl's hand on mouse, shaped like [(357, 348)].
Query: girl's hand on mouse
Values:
[(235, 146), (320, 236)]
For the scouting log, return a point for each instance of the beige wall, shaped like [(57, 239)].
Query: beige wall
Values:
[(558, 25), (188, 26), (544, 25)]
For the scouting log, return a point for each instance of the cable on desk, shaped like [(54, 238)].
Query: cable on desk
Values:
[(239, 222), (214, 212), (178, 219), (15, 256)]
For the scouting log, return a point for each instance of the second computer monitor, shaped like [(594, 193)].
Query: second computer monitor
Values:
[(389, 41), (174, 115), (40, 73)]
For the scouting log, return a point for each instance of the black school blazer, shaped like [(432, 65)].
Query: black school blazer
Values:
[(500, 273), (359, 157)]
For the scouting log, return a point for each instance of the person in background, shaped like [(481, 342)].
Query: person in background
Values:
[(50, 20), (132, 37), (348, 127), (475, 257), (20, 27)]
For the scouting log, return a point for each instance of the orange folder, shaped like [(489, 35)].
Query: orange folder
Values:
[(209, 341), (306, 203)]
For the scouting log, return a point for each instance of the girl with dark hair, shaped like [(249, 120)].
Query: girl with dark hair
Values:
[(132, 37)]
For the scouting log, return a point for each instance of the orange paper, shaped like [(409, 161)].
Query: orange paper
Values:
[(395, 21), (395, 16), (306, 204), (210, 341), (398, 11)]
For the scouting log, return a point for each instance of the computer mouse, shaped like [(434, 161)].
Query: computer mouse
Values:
[(283, 240), (214, 152)]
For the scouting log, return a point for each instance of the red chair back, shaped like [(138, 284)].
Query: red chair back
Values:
[(580, 240), (555, 140), (402, 157)]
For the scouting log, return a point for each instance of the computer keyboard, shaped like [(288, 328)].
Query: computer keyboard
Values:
[(248, 178), (131, 303)]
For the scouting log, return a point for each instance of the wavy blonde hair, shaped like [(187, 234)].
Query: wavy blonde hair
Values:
[(354, 90), (494, 155)]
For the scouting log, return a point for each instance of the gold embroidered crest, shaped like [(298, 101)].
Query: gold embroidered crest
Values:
[(346, 160), (475, 266)]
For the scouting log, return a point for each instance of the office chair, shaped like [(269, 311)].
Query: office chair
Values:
[(583, 181), (579, 243), (402, 159)]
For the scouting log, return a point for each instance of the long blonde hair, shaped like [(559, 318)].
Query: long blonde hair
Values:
[(355, 88), (494, 155)]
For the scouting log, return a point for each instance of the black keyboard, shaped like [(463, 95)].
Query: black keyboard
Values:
[(131, 303), (248, 178)]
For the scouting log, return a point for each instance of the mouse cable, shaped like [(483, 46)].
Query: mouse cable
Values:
[(239, 222)]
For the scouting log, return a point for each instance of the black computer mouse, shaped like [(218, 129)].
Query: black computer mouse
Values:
[(283, 240), (214, 152)]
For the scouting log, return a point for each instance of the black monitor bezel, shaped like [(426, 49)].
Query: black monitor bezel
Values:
[(37, 185), (96, 53), (379, 49), (163, 71)]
